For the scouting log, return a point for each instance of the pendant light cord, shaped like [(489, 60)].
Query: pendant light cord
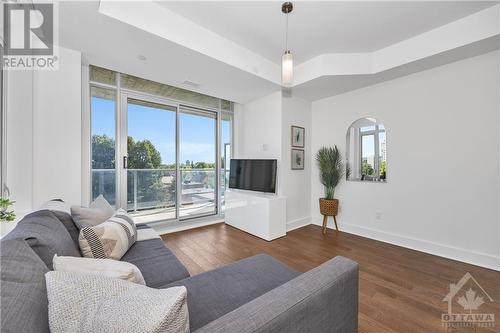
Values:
[(286, 34)]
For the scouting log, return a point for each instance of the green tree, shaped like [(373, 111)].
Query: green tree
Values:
[(383, 169), (103, 152), (366, 168), (201, 165), (142, 154), (103, 157)]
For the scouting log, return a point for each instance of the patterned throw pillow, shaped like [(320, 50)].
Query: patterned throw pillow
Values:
[(109, 240), (92, 303)]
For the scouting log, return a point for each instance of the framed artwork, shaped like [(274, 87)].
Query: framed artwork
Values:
[(297, 159), (298, 136)]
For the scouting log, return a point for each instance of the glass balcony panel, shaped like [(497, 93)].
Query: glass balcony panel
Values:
[(151, 192), (104, 182), (198, 192)]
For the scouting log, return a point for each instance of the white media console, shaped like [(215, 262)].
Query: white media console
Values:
[(260, 214)]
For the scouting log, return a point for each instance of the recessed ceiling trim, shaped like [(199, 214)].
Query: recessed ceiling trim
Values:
[(471, 29), (160, 21)]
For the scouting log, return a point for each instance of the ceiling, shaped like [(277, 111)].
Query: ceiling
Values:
[(232, 50), (318, 27), (115, 45), (331, 85)]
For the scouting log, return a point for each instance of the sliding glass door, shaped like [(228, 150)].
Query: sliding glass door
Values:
[(150, 160), (160, 152), (197, 154)]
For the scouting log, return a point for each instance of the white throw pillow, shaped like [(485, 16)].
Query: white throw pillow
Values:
[(106, 267), (99, 211), (109, 240), (92, 303)]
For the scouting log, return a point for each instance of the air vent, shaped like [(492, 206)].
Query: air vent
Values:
[(191, 84)]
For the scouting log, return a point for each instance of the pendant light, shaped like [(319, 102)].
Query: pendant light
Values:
[(287, 59)]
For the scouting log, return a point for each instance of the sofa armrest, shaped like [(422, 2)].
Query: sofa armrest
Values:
[(324, 299)]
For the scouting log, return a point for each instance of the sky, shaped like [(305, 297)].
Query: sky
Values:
[(368, 145), (197, 133)]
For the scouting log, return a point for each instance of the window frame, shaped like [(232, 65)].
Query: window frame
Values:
[(3, 128), (122, 93), (376, 155)]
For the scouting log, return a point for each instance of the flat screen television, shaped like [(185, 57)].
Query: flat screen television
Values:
[(253, 175)]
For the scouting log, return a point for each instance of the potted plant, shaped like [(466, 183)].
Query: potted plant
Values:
[(331, 170), (6, 215)]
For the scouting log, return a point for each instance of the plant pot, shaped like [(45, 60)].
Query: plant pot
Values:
[(328, 207)]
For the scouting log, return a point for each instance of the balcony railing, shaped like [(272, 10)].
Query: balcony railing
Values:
[(149, 189)]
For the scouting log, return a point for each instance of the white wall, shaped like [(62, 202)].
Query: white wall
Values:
[(296, 184), (258, 128), (19, 143), (44, 134), (57, 165), (262, 130), (443, 140)]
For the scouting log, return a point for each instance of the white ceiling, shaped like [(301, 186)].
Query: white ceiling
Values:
[(232, 49), (317, 27), (330, 85), (112, 44)]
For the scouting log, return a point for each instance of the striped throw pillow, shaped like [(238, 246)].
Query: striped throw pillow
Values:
[(110, 239)]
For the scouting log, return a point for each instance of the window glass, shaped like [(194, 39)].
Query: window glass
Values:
[(159, 89), (153, 183), (151, 158), (226, 105), (103, 105), (102, 75), (367, 128), (366, 152), (367, 155), (197, 153)]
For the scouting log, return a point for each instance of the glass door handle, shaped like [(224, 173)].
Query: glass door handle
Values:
[(125, 162)]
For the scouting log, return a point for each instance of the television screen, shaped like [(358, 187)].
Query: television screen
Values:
[(253, 175)]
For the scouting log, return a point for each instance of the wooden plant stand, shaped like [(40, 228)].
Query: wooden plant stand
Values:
[(329, 207)]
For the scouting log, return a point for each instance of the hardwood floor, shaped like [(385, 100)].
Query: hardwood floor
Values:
[(400, 290)]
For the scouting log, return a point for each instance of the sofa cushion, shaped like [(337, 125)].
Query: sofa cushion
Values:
[(46, 235), (23, 302), (214, 293), (158, 265), (63, 212)]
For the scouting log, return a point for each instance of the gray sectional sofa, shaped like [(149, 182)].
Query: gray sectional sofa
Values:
[(256, 294)]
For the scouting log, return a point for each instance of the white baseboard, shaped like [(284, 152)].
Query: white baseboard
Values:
[(450, 252), (298, 223)]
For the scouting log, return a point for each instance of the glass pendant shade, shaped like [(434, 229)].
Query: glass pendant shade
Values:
[(287, 69)]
